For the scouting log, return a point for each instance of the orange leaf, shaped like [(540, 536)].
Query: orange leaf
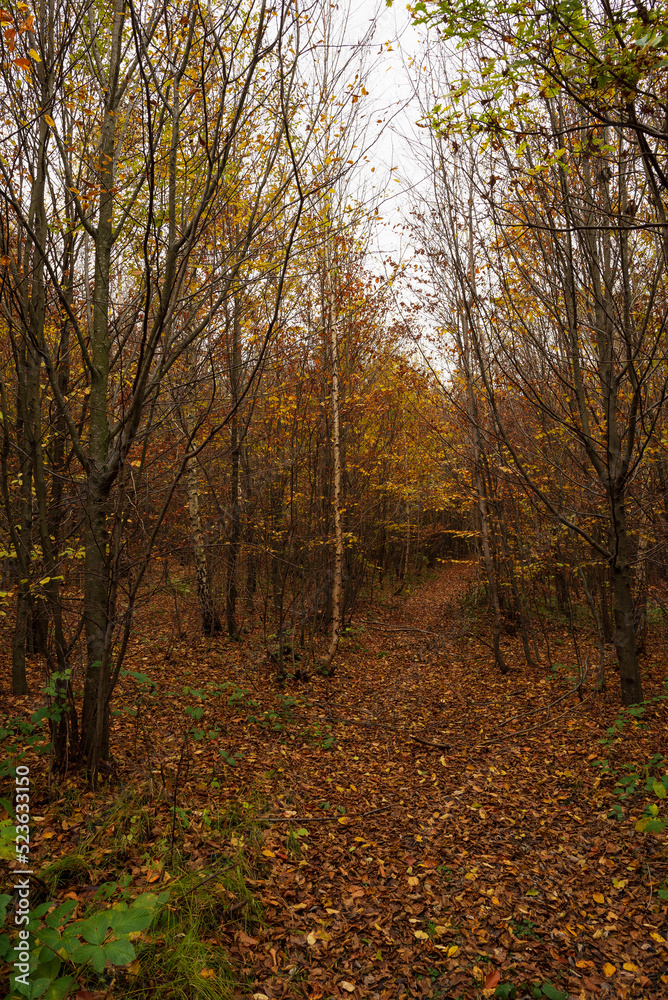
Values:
[(492, 980), (22, 63)]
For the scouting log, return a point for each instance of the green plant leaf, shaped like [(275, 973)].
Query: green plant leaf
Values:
[(94, 929), (58, 916), (506, 991), (50, 937), (94, 954), (60, 989), (127, 921), (552, 993), (659, 789), (40, 985), (119, 952)]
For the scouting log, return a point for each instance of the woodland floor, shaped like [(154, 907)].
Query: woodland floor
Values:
[(416, 826)]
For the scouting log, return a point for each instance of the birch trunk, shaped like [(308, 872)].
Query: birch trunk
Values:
[(337, 622)]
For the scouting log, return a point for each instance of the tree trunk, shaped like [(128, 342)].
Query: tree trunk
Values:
[(210, 622), (234, 538), (625, 636), (337, 621)]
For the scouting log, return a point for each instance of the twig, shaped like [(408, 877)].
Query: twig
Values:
[(530, 729), (400, 628), (213, 875)]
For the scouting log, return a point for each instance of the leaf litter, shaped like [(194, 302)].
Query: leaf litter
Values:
[(429, 828)]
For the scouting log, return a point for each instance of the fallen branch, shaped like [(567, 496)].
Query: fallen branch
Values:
[(401, 628)]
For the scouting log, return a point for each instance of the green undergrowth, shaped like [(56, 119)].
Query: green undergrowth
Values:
[(94, 926)]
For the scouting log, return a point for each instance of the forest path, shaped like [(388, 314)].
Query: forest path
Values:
[(485, 859)]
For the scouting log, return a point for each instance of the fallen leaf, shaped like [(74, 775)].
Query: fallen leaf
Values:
[(349, 987), (246, 940), (609, 969)]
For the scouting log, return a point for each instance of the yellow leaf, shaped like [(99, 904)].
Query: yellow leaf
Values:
[(49, 121), (35, 54), (598, 898), (269, 854), (421, 936), (452, 950), (343, 820), (655, 936), (413, 880), (608, 969), (630, 967), (207, 973), (349, 987)]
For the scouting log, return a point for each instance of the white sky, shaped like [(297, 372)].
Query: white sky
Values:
[(390, 100)]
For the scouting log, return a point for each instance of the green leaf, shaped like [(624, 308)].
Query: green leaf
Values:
[(659, 789), (48, 963), (94, 954), (532, 892), (59, 915), (119, 952), (149, 900), (95, 928), (140, 678), (5, 900), (60, 989), (40, 986), (506, 991), (50, 937), (127, 921), (552, 993)]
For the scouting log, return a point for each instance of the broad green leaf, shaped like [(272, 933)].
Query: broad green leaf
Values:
[(59, 915), (95, 928), (552, 993), (659, 789), (60, 989), (94, 954), (127, 921), (40, 985), (119, 952)]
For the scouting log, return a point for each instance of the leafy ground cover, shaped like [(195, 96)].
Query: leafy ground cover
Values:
[(415, 826)]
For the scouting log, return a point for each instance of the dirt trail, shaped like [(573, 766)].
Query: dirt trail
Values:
[(402, 870)]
